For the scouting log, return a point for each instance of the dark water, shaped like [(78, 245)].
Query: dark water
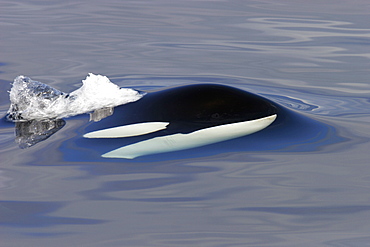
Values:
[(304, 182)]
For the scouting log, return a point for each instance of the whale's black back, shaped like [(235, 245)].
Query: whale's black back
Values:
[(199, 106)]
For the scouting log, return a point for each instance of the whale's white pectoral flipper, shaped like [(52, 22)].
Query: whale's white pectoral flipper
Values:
[(128, 130), (194, 139)]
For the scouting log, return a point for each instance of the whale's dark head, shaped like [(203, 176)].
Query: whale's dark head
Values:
[(185, 117), (204, 104)]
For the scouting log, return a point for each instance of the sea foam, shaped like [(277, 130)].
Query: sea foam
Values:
[(33, 100)]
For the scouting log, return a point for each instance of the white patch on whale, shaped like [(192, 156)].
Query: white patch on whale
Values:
[(128, 130), (194, 139)]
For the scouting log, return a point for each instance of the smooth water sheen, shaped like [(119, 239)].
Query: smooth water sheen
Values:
[(303, 182)]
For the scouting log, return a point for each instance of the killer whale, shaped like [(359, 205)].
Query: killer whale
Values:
[(159, 121), (182, 117)]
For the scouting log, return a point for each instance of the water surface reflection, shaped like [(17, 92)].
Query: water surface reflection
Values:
[(303, 182)]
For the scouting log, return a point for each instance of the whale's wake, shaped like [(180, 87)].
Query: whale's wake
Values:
[(38, 109), (33, 100)]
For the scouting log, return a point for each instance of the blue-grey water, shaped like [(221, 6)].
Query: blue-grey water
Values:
[(306, 183)]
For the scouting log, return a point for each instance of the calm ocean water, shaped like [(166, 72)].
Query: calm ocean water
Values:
[(305, 183)]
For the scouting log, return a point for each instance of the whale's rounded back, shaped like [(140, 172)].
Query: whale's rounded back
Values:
[(181, 118), (207, 103), (203, 104)]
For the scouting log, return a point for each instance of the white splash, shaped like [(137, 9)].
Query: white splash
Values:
[(33, 100)]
